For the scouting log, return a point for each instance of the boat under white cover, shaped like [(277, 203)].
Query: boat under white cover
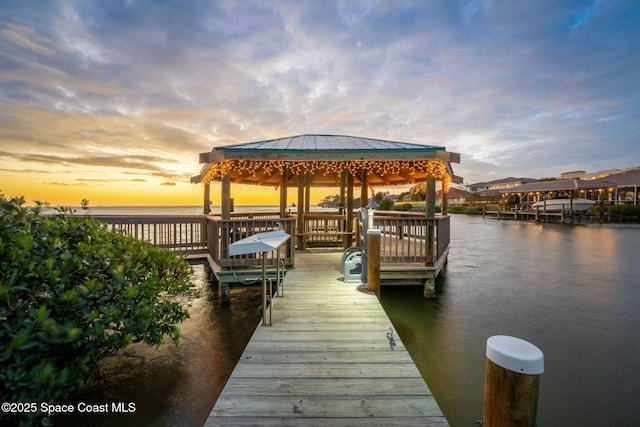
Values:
[(559, 204)]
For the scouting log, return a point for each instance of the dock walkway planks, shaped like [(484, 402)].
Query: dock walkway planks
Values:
[(325, 361)]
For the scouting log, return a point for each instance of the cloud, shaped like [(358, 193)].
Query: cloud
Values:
[(143, 87), (169, 183)]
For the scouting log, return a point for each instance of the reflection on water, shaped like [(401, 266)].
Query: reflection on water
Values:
[(178, 385), (571, 290)]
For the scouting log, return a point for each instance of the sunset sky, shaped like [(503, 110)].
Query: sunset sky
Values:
[(112, 101)]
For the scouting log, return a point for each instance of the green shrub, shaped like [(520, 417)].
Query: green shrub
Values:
[(402, 207), (617, 210), (468, 210), (386, 204), (73, 292), (625, 210)]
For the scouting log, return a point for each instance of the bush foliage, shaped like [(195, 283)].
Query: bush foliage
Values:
[(405, 207), (73, 292), (385, 204)]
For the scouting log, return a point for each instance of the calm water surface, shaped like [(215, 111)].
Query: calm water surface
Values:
[(574, 291), (177, 385)]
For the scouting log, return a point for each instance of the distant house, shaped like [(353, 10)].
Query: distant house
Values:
[(573, 175), (492, 188), (596, 175), (455, 196)]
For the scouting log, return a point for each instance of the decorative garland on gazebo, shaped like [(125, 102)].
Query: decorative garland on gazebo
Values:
[(435, 168)]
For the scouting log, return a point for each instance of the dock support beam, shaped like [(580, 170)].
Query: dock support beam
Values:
[(430, 287), (225, 293)]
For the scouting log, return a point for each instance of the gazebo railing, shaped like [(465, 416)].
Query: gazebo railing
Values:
[(223, 232), (325, 229), (182, 233)]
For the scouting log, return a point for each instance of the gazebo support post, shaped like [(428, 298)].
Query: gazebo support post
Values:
[(444, 203), (350, 204), (341, 209), (226, 197), (430, 197), (307, 192), (343, 189), (364, 188), (283, 193), (300, 215), (207, 197)]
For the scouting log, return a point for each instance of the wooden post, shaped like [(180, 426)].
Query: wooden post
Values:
[(364, 189), (284, 181), (343, 192), (430, 198), (207, 199), (512, 381), (430, 212), (225, 293), (300, 217), (266, 320), (346, 240), (429, 287), (350, 217), (444, 204), (225, 212), (226, 197), (373, 261), (307, 192)]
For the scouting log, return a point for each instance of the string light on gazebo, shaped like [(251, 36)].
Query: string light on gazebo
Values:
[(435, 168)]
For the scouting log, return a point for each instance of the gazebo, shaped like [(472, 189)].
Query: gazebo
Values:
[(303, 161)]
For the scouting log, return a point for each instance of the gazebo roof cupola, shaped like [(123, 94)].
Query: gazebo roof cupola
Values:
[(325, 157)]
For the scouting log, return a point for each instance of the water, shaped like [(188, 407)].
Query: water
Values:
[(177, 385), (571, 290)]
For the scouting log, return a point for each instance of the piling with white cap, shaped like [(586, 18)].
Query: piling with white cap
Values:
[(512, 382)]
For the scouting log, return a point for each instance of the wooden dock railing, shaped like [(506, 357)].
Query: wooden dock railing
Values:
[(325, 230), (223, 232), (183, 233), (404, 238)]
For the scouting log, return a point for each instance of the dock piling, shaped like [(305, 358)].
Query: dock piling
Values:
[(512, 382), (373, 260)]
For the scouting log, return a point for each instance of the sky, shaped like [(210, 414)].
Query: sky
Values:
[(112, 101)]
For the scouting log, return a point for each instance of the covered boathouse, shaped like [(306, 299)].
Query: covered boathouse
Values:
[(414, 246)]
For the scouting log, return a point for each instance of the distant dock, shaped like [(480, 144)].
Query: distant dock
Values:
[(326, 360), (537, 215)]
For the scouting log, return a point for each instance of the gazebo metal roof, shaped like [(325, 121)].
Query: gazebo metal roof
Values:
[(325, 157)]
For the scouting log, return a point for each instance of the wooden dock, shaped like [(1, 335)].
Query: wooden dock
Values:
[(325, 361), (537, 215)]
